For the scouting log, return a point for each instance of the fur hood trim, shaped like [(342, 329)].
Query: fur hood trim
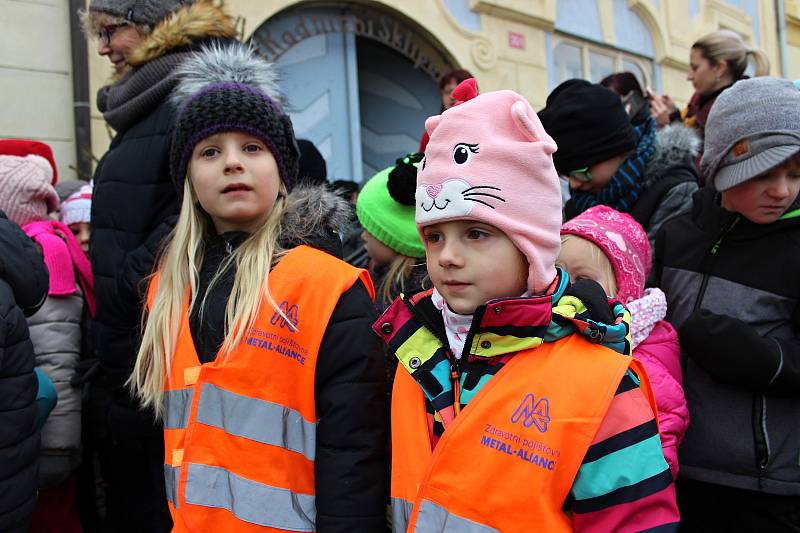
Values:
[(676, 145), (197, 21), (313, 212)]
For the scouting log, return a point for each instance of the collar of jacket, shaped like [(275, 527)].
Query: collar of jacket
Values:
[(709, 215), (413, 331)]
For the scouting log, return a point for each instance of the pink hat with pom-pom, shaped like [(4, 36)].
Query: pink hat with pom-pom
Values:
[(489, 159)]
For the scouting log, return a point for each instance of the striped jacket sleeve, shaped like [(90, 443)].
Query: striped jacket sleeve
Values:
[(624, 483)]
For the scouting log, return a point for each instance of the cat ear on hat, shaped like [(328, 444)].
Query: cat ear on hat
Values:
[(431, 123), (531, 127)]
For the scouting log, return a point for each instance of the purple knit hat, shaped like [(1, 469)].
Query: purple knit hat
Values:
[(623, 241)]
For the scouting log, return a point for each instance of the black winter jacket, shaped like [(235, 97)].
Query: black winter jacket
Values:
[(733, 293), (23, 289), (132, 201), (350, 465), (134, 197)]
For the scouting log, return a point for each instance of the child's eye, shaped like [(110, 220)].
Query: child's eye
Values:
[(476, 234), (252, 147), (209, 152), (432, 238)]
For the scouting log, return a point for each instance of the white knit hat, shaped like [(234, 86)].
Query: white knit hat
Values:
[(78, 206)]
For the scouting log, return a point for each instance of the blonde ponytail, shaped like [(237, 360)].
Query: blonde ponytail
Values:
[(728, 46)]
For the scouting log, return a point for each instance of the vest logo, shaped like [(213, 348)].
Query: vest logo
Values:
[(291, 312), (533, 413)]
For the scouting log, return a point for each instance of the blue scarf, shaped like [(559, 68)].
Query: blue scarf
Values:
[(625, 187)]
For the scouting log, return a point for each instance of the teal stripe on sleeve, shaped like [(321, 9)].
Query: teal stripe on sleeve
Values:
[(621, 468)]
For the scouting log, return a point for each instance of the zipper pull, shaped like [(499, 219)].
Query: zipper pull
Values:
[(228, 248), (456, 391)]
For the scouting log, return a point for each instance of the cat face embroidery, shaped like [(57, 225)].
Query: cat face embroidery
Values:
[(452, 198), (455, 197)]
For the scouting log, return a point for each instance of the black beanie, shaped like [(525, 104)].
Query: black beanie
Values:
[(588, 123), (229, 88), (313, 169)]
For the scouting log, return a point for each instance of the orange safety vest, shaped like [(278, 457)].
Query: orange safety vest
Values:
[(508, 461), (240, 431)]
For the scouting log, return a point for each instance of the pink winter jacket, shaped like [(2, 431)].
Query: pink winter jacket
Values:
[(660, 354)]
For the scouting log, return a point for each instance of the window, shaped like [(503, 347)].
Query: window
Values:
[(580, 59)]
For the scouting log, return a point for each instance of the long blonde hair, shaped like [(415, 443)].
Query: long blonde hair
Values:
[(728, 46), (178, 278), (396, 276)]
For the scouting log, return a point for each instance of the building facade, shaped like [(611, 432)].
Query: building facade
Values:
[(361, 76)]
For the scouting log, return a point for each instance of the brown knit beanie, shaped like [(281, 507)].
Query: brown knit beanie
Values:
[(26, 190)]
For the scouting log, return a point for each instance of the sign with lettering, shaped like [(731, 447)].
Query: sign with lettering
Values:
[(279, 34)]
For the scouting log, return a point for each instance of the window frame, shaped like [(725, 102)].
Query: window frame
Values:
[(646, 64)]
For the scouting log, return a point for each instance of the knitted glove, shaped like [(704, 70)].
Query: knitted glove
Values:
[(730, 350)]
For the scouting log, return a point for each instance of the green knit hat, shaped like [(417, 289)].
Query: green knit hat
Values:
[(385, 207)]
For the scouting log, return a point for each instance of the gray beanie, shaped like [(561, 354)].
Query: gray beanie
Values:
[(753, 127), (140, 12)]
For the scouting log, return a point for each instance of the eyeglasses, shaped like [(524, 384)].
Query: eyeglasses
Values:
[(105, 33), (582, 174)]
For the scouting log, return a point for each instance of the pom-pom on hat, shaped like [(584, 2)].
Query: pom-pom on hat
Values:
[(489, 159), (385, 207), (589, 123), (24, 147), (622, 240), (78, 206), (230, 88)]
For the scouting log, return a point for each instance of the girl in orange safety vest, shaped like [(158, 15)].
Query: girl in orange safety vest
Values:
[(516, 406), (257, 353)]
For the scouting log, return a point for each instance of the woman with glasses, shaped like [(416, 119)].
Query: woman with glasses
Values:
[(608, 161), (145, 41)]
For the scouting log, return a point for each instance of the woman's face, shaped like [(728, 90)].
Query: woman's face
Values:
[(447, 100), (116, 41), (706, 77)]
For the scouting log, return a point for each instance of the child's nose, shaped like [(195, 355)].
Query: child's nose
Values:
[(233, 163), (450, 255)]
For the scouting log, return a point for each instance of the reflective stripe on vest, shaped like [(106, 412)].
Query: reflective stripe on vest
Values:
[(258, 420), (436, 519), (401, 513), (248, 500), (177, 403), (171, 475), (567, 386)]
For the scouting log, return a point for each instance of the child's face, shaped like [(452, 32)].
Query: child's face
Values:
[(601, 173), (236, 180), (380, 254), (583, 259), (82, 232), (470, 263), (764, 199)]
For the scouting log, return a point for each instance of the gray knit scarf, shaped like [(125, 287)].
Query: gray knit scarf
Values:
[(139, 91)]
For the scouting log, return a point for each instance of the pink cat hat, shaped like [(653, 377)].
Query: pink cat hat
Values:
[(489, 159)]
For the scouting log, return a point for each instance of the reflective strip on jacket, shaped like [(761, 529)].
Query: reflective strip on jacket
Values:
[(240, 431), (509, 460)]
